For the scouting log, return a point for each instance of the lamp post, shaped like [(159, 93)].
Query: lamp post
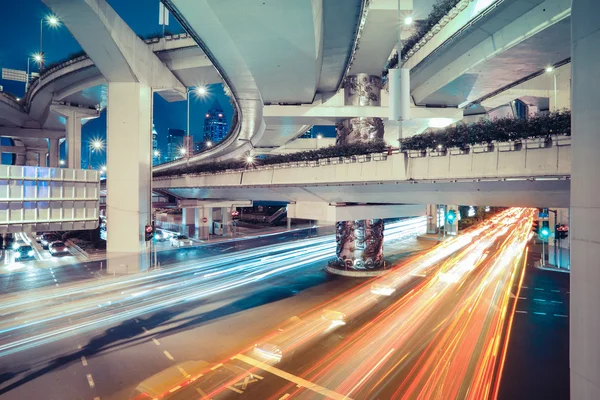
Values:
[(52, 21), (200, 91), (95, 145)]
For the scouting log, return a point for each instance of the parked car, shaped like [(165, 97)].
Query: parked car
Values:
[(180, 241), (48, 238), (24, 252), (58, 247), (38, 236)]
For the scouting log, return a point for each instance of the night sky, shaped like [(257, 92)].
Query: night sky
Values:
[(21, 24)]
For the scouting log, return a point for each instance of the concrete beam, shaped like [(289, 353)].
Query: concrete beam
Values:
[(119, 54), (334, 213), (526, 26), (31, 133), (79, 86), (194, 203)]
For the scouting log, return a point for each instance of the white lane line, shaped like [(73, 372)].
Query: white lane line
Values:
[(285, 396), (84, 361), (522, 298), (169, 356), (554, 290), (539, 313), (537, 288), (561, 315), (539, 300), (136, 320), (156, 342), (144, 329), (216, 366), (525, 287), (234, 389), (201, 393), (521, 312), (557, 302), (90, 380), (292, 378)]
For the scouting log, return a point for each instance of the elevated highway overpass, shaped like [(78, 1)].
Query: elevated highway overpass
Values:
[(531, 175)]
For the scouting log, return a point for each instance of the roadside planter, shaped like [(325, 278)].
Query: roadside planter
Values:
[(416, 153), (457, 151), (509, 146), (538, 143), (482, 148)]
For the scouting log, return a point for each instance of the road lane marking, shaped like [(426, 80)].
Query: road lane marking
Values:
[(90, 380), (183, 371), (539, 300), (521, 312), (201, 393), (169, 356), (557, 302), (136, 320), (522, 298), (285, 396), (247, 380), (292, 378), (539, 313), (79, 347), (537, 288), (84, 361), (234, 389), (144, 329), (561, 315), (524, 287), (216, 366), (554, 290), (156, 342)]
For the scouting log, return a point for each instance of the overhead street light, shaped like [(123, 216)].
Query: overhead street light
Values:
[(94, 145), (53, 22), (549, 68), (200, 91), (408, 20), (208, 143)]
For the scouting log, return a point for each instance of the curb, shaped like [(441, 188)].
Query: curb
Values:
[(355, 274)]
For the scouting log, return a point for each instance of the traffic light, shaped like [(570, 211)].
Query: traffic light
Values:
[(451, 217), (545, 231), (148, 232), (536, 226)]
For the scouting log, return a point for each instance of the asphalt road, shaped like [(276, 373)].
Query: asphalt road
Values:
[(108, 362), (537, 362), (60, 270)]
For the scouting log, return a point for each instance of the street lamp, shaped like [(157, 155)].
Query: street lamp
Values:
[(53, 22), (182, 151), (408, 20), (61, 162), (208, 143), (200, 91), (95, 145), (249, 159)]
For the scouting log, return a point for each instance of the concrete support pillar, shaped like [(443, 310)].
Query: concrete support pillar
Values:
[(53, 154), (360, 245), (129, 161), (204, 222), (432, 218), (289, 224), (73, 145), (559, 250), (32, 158), (361, 90), (188, 221), (585, 202), (226, 220), (43, 159)]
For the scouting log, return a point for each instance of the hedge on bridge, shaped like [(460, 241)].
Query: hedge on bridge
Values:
[(488, 131)]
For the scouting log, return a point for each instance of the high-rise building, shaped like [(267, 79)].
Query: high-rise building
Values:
[(215, 124), (174, 143), (155, 151), (308, 134)]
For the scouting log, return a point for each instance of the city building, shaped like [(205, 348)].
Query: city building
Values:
[(309, 134), (215, 124), (174, 143), (155, 150)]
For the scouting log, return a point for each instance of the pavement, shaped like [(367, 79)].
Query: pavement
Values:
[(110, 361), (537, 361)]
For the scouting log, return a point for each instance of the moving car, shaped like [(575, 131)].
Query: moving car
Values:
[(180, 241), (58, 247), (268, 352), (24, 252), (382, 289), (161, 236), (48, 238), (335, 317)]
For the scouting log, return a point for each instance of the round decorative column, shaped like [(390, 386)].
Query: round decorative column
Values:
[(359, 91), (359, 249)]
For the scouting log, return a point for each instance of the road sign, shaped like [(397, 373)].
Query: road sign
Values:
[(543, 213), (14, 75), (204, 219)]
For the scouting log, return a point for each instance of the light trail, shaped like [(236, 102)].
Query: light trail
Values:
[(33, 318)]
